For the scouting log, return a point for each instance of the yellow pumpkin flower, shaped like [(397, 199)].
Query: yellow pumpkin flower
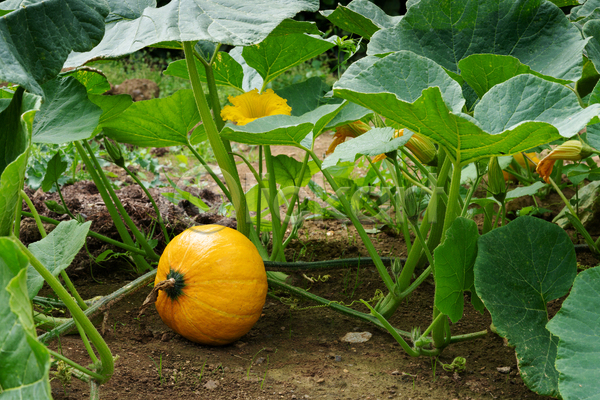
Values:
[(343, 132), (252, 105), (572, 150), (419, 145)]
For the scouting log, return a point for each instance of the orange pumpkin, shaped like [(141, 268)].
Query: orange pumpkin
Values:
[(220, 285)]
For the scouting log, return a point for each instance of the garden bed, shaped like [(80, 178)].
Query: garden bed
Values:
[(295, 350)]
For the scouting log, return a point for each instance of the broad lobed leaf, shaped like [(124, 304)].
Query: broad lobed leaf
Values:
[(36, 40), (519, 269), (535, 32), (514, 116), (220, 21), (577, 325), (25, 362)]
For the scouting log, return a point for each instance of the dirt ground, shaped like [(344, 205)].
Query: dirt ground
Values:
[(295, 350)]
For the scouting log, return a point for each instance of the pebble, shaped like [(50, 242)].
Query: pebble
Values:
[(356, 337), (210, 385), (503, 370)]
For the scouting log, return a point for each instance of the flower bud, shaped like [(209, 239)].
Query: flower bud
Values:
[(411, 201), (572, 150), (114, 151), (496, 183), (343, 132), (423, 149)]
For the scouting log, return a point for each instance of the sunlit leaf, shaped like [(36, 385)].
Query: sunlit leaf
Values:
[(155, 123)]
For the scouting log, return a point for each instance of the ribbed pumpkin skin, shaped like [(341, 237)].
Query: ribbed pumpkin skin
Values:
[(224, 285)]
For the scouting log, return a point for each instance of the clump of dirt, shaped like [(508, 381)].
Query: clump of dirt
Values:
[(138, 89)]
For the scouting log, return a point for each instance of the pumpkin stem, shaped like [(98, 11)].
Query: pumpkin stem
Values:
[(151, 299)]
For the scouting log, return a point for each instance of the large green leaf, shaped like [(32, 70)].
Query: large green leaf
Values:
[(252, 79), (305, 96), (361, 17), (66, 114), (127, 9), (591, 30), (454, 260), (512, 117), (282, 129), (226, 70), (25, 362), (222, 21), (36, 40), (282, 50), (577, 324), (14, 145), (534, 31), (157, 122), (483, 71), (529, 98), (56, 251), (112, 107), (519, 269), (371, 143), (350, 113)]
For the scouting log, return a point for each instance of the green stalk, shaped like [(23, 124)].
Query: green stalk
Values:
[(409, 350), (470, 193), (213, 93), (438, 331), (42, 230), (419, 235), (101, 305), (114, 214), (73, 364), (107, 366), (392, 301), (156, 210), (273, 204), (86, 343), (294, 198), (383, 272), (420, 166), (138, 235), (224, 159), (93, 235), (36, 215), (451, 207), (210, 172), (331, 304), (417, 282), (415, 254), (259, 195), (18, 212), (430, 328), (69, 213)]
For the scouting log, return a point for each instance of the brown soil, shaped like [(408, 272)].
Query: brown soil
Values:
[(295, 350)]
